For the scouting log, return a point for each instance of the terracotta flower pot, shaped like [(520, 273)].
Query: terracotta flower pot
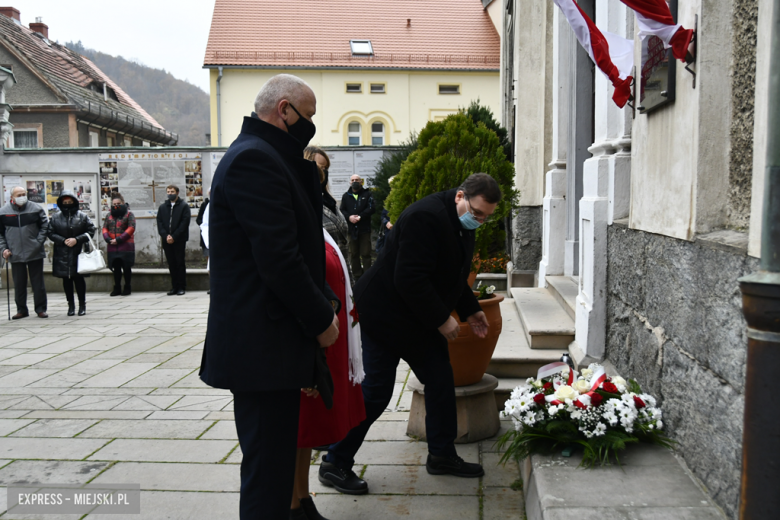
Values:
[(469, 354)]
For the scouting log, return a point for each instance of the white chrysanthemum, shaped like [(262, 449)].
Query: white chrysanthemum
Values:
[(600, 430), (610, 417), (528, 381), (648, 399), (554, 409), (659, 424)]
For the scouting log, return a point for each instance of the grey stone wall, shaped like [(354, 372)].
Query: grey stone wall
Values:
[(28, 89), (55, 126), (743, 91), (527, 238), (675, 324)]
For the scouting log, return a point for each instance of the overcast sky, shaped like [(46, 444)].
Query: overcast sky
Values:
[(164, 34)]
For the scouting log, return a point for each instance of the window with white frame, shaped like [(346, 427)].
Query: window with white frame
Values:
[(361, 47), (449, 89), (94, 139), (147, 144), (110, 140), (353, 134), (128, 141), (377, 134), (377, 88), (354, 88), (24, 138)]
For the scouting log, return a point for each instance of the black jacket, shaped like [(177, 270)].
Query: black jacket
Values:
[(65, 261), (363, 207), (178, 226), (23, 231), (267, 252), (419, 278), (199, 219)]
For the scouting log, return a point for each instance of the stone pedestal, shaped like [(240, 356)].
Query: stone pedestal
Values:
[(477, 415)]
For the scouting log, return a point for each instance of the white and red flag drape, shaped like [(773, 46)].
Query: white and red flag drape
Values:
[(655, 19), (612, 54)]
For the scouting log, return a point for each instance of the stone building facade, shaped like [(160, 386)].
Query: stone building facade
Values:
[(652, 216)]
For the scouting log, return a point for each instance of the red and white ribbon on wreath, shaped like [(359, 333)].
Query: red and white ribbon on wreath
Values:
[(598, 377), (612, 54), (655, 19)]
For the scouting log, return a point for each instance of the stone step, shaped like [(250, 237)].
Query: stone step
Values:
[(565, 290), (546, 324), (514, 360), (504, 388)]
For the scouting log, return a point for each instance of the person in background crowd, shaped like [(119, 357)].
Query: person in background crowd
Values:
[(272, 311), (357, 205), (23, 230), (204, 236), (173, 224), (385, 225), (332, 219), (199, 221), (418, 281), (70, 230), (317, 425), (118, 232)]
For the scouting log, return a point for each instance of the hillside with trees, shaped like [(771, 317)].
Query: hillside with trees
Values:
[(177, 105)]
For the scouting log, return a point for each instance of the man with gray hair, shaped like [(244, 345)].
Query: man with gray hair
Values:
[(23, 229), (271, 311)]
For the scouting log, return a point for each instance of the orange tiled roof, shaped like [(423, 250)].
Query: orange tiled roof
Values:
[(442, 34), (68, 71)]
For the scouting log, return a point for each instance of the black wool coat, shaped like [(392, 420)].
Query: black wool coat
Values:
[(363, 207), (267, 272), (65, 260), (179, 226), (419, 278)]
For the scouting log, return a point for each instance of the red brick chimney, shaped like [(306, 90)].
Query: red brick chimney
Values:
[(40, 27), (10, 12)]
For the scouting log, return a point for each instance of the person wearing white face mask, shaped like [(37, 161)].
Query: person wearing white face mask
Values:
[(23, 230)]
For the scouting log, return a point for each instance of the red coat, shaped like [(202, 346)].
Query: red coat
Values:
[(317, 425)]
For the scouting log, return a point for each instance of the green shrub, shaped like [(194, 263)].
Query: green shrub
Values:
[(388, 166), (447, 153)]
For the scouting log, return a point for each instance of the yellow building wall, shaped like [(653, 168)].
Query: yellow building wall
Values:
[(411, 99)]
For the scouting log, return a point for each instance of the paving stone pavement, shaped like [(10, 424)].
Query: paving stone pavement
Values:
[(114, 397)]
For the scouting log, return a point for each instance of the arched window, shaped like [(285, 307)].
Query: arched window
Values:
[(377, 134), (353, 133)]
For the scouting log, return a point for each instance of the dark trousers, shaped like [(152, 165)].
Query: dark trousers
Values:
[(20, 270), (174, 254), (81, 288), (360, 250), (433, 370), (118, 265), (267, 426)]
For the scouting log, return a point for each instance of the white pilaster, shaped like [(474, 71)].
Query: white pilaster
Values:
[(606, 197), (554, 202)]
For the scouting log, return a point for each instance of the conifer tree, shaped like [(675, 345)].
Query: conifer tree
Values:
[(447, 153)]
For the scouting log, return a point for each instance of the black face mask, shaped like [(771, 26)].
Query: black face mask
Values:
[(68, 209), (325, 182), (356, 186), (119, 211), (303, 129), (172, 197)]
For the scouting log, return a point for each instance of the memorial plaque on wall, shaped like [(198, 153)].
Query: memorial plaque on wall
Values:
[(142, 179), (658, 72)]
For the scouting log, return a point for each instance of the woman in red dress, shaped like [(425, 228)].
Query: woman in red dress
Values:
[(317, 425)]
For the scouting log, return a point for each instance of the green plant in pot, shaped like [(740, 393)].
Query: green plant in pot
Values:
[(447, 153)]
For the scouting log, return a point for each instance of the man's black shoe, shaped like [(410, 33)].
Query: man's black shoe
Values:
[(180, 292), (117, 291), (344, 480), (453, 465), (172, 292)]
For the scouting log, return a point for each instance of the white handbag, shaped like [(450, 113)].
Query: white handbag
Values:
[(92, 261)]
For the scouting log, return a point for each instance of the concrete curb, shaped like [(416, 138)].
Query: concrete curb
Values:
[(651, 484)]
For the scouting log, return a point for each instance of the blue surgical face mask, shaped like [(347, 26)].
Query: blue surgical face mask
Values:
[(468, 221)]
